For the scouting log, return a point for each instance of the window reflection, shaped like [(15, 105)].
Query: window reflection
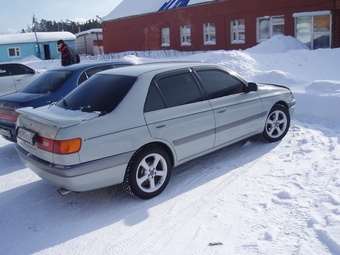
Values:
[(314, 31)]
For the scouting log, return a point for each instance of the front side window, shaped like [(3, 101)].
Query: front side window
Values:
[(209, 33), (165, 37), (218, 83), (267, 27), (17, 69), (314, 29), (185, 35), (238, 28), (13, 52)]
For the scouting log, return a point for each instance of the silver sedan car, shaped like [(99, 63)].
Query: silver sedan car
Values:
[(132, 125), (14, 76)]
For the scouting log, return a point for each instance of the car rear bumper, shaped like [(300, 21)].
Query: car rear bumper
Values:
[(7, 131), (83, 177)]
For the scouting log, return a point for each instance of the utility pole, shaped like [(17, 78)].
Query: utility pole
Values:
[(35, 33)]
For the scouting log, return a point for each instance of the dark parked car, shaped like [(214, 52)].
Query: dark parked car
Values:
[(49, 87)]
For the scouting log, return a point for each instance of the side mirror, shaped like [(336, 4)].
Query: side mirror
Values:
[(252, 86)]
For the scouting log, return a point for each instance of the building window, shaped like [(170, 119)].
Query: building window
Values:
[(185, 35), (313, 29), (238, 29), (165, 37), (14, 52), (270, 26), (209, 32)]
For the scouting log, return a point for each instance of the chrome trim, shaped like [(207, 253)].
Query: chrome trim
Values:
[(240, 122), (218, 129), (194, 137)]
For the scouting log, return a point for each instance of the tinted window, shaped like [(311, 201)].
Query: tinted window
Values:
[(47, 82), (20, 69), (83, 77), (154, 100), (218, 83), (101, 93), (88, 73), (179, 89), (4, 71)]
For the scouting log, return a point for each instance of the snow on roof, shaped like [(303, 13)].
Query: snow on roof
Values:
[(90, 31), (147, 6), (30, 37)]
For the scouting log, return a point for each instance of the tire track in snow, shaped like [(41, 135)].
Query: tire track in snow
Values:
[(167, 225)]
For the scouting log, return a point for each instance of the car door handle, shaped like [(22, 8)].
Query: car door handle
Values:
[(221, 110), (160, 125)]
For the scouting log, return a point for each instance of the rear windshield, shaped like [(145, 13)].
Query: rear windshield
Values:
[(46, 82), (101, 93)]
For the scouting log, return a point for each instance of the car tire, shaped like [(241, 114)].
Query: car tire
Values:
[(277, 124), (148, 172)]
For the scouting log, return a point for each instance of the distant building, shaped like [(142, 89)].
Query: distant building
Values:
[(201, 25), (90, 42), (43, 45)]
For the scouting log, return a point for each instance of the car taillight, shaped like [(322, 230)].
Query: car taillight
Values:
[(59, 147), (11, 115)]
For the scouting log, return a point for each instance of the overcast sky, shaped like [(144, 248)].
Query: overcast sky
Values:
[(17, 14)]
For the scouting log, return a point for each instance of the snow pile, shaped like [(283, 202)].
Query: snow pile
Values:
[(278, 44)]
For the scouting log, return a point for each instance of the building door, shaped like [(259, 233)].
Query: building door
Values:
[(47, 51)]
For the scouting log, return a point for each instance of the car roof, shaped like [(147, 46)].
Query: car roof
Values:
[(13, 63), (140, 69), (92, 64)]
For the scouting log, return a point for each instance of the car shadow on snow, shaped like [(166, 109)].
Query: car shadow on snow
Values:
[(37, 217), (9, 159)]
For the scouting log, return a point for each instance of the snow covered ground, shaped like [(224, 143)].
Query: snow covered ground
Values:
[(248, 198)]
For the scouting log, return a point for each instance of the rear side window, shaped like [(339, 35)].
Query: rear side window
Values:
[(154, 99), (179, 89), (88, 73), (218, 83), (102, 93), (47, 82), (4, 71)]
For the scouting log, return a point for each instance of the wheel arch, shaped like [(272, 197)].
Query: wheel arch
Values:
[(166, 147), (283, 103)]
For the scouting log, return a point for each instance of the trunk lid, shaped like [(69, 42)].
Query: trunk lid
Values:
[(55, 116), (45, 121)]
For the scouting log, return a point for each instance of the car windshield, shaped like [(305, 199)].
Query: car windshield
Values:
[(101, 93), (47, 82)]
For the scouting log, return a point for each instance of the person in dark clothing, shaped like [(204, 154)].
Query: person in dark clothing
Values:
[(68, 55)]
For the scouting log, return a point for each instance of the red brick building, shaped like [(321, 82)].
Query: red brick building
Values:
[(226, 24)]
